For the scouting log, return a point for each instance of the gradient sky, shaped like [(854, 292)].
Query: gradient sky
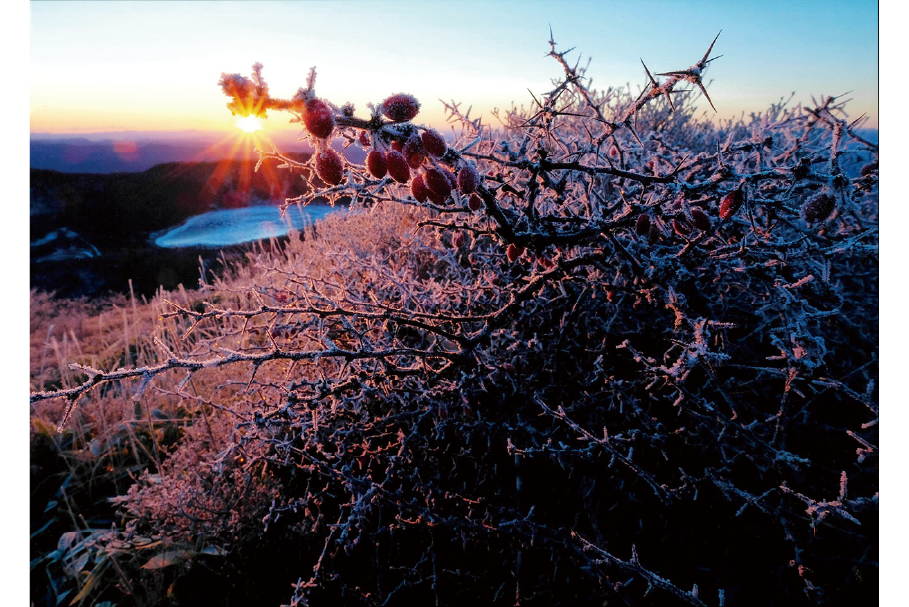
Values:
[(111, 66)]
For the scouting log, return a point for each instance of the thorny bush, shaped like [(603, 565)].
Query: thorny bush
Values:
[(607, 351)]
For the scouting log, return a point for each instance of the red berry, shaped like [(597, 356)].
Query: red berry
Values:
[(318, 119), (731, 203), (364, 140), (400, 107), (434, 143), (329, 167), (818, 207), (868, 169), (701, 220), (375, 162), (546, 262), (437, 181), (397, 166), (642, 225), (413, 152), (435, 198), (475, 203), (457, 240), (397, 145), (468, 179), (513, 252), (419, 189)]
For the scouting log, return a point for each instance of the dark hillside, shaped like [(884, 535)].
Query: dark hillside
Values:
[(100, 206), (91, 232)]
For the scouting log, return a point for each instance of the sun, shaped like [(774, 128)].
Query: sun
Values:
[(250, 124)]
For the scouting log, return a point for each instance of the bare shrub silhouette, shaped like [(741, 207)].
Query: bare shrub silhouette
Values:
[(604, 351)]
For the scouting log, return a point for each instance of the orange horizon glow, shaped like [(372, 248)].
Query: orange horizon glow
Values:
[(219, 120)]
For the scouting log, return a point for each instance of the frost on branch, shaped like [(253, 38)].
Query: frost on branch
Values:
[(249, 96), (599, 326)]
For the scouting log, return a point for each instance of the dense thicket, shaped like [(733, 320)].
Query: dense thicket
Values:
[(606, 352)]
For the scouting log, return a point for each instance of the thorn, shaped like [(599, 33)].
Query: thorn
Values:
[(679, 167), (652, 80), (638, 139), (703, 90), (856, 121), (535, 98), (707, 54)]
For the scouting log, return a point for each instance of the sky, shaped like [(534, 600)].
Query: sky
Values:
[(154, 66)]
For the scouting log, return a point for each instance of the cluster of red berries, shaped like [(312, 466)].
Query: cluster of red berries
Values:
[(420, 154), (433, 181), (683, 226), (319, 121), (515, 252), (644, 227), (699, 220)]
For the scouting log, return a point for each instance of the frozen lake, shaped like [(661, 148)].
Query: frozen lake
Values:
[(235, 226)]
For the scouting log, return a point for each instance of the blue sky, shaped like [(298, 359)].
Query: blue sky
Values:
[(108, 66)]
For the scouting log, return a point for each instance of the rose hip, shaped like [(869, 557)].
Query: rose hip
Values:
[(375, 162), (329, 167), (400, 107), (397, 166)]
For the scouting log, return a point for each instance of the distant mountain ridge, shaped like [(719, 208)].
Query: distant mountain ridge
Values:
[(86, 156), (137, 151)]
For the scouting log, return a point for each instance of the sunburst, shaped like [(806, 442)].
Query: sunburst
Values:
[(250, 124)]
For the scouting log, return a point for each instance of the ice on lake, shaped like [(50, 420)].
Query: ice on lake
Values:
[(227, 227)]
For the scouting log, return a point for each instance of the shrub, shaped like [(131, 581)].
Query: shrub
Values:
[(629, 367)]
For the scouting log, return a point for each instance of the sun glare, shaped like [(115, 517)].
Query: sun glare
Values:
[(250, 124)]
